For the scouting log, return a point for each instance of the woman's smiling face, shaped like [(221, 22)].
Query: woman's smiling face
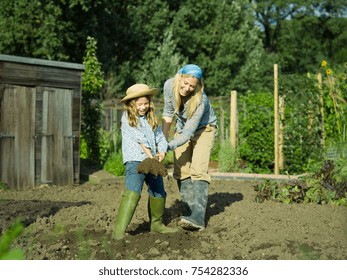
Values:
[(188, 85)]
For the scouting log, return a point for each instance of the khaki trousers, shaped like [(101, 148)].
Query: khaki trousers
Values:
[(192, 158)]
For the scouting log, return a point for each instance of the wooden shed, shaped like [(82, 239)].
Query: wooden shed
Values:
[(40, 120)]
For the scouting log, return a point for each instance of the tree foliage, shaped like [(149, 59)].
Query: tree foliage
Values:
[(235, 42), (34, 28), (223, 40), (302, 33), (93, 80)]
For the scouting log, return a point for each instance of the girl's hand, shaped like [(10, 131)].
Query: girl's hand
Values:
[(160, 156)]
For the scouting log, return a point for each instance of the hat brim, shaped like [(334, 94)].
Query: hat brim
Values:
[(150, 92)]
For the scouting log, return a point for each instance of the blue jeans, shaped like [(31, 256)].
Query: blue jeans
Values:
[(134, 181)]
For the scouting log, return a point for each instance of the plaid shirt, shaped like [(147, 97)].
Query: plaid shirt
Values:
[(132, 137)]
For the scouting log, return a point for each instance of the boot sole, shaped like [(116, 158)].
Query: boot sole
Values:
[(189, 225)]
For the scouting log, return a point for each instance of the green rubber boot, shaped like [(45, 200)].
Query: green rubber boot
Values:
[(126, 211), (156, 212)]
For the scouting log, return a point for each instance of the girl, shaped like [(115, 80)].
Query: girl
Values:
[(141, 138)]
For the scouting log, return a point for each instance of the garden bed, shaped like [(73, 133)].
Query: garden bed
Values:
[(76, 222)]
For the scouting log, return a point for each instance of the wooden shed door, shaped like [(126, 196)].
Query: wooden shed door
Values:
[(57, 139), (17, 130)]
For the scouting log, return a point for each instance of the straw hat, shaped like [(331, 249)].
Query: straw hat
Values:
[(139, 90)]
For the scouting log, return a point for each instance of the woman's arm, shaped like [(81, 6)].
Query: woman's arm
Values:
[(189, 128), (169, 108), (166, 125)]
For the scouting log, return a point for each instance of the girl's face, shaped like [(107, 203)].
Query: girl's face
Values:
[(142, 105), (188, 85)]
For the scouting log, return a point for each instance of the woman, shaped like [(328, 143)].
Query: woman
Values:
[(196, 124), (141, 139)]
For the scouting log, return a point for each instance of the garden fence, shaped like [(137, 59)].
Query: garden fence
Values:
[(300, 132)]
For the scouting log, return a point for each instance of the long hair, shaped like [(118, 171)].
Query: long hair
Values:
[(130, 108), (195, 97)]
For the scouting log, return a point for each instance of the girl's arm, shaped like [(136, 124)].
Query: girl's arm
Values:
[(146, 150)]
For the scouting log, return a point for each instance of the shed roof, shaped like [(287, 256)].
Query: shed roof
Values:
[(41, 62)]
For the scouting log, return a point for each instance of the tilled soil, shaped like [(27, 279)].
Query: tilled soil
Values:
[(76, 222)]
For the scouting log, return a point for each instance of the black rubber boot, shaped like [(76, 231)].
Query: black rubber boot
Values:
[(197, 205), (187, 193)]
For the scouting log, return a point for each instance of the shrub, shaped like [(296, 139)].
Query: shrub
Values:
[(228, 158), (6, 253), (327, 186), (256, 131), (114, 164)]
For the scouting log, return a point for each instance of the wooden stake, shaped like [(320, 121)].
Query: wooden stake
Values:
[(281, 134), (276, 122), (221, 112), (233, 119), (320, 87)]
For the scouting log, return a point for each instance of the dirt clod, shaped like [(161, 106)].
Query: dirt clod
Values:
[(153, 166)]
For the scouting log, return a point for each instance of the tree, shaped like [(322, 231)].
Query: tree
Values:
[(92, 82), (302, 33), (304, 43), (166, 64), (221, 37), (146, 55), (33, 28), (270, 15)]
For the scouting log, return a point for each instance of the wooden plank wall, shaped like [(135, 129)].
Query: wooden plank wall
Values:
[(17, 141), (48, 97)]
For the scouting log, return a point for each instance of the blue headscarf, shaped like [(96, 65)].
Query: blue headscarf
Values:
[(191, 69)]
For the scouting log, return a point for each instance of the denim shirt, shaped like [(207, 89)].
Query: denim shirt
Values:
[(132, 137), (203, 115)]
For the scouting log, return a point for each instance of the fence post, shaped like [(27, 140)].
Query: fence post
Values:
[(276, 122), (281, 135), (320, 88), (221, 112), (233, 119)]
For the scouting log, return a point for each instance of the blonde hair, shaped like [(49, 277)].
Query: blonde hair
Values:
[(195, 97), (130, 108)]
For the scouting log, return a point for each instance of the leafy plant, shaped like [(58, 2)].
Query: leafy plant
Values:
[(334, 89), (106, 145), (228, 158), (3, 186), (322, 187), (169, 159), (114, 164), (6, 253), (92, 83), (256, 131), (301, 121)]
